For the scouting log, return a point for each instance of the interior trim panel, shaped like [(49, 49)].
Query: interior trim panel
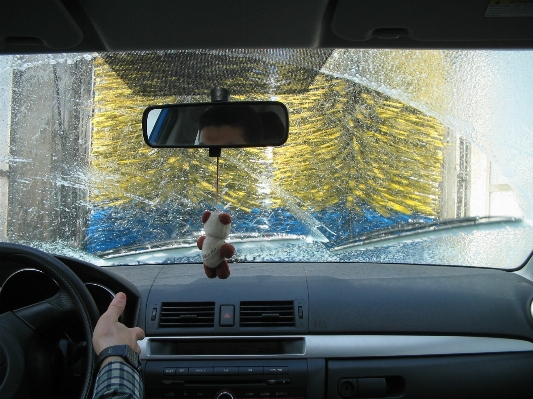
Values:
[(344, 346)]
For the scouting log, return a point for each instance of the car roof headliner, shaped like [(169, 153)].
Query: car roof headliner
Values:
[(29, 26)]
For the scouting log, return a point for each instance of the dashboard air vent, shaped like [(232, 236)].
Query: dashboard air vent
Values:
[(187, 314), (267, 314)]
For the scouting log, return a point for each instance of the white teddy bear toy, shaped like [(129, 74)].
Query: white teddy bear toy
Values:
[(215, 251)]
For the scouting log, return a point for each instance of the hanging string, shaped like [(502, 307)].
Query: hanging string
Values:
[(216, 198)]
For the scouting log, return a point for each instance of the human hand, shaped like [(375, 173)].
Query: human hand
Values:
[(109, 331)]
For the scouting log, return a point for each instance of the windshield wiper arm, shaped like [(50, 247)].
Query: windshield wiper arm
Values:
[(412, 229)]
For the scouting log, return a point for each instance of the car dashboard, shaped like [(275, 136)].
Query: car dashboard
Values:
[(323, 330), (331, 330), (298, 330)]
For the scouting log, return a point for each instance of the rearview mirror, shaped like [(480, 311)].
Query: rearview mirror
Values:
[(224, 124)]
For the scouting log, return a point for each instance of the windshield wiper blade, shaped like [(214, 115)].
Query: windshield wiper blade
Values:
[(413, 229), (149, 247), (191, 243)]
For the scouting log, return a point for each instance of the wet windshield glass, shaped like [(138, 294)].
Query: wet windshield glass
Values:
[(393, 156)]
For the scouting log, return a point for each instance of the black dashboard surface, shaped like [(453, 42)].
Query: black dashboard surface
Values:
[(352, 298), (360, 330)]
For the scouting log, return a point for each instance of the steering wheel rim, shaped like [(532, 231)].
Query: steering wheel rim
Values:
[(72, 300)]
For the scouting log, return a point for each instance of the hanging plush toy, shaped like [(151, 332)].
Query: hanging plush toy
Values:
[(215, 251)]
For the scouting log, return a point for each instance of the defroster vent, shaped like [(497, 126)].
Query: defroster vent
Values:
[(187, 314), (267, 314)]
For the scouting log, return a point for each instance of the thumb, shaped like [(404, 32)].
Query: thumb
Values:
[(116, 307)]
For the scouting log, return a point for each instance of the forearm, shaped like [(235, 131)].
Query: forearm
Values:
[(117, 380)]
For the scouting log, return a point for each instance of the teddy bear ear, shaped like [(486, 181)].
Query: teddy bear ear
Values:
[(205, 216), (224, 218)]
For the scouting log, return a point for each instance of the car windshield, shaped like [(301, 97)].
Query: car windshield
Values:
[(421, 157)]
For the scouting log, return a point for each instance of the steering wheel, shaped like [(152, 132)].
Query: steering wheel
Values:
[(30, 358)]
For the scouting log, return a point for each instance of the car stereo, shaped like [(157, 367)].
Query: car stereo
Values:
[(225, 379)]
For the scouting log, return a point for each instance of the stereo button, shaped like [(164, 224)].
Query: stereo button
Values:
[(201, 394), (250, 370), (226, 370), (248, 394), (200, 370), (276, 370)]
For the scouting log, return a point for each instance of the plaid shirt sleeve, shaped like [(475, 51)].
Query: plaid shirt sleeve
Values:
[(118, 380)]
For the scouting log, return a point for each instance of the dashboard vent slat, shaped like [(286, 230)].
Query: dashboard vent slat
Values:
[(267, 314), (187, 314)]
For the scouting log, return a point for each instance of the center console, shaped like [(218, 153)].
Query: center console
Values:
[(258, 368)]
